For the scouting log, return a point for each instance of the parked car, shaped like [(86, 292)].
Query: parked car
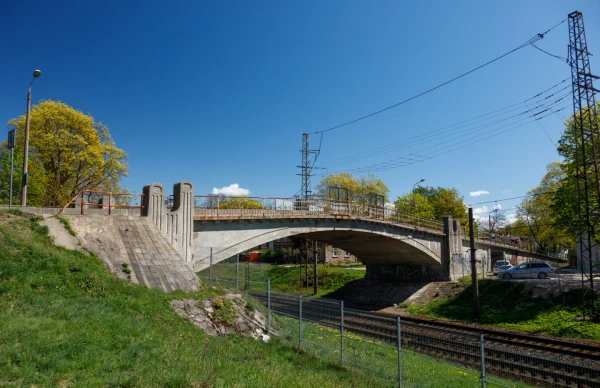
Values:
[(527, 270), (501, 265)]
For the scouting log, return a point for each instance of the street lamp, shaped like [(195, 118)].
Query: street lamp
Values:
[(36, 74), (413, 193)]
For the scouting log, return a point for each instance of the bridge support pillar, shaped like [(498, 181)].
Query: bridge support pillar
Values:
[(178, 223)]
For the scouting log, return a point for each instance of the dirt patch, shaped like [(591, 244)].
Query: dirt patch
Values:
[(223, 315), (8, 217)]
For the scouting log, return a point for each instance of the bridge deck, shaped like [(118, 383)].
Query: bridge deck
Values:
[(270, 214)]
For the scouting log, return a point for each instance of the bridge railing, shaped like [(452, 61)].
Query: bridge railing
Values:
[(507, 242), (211, 207)]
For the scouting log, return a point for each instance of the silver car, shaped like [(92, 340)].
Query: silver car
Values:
[(501, 265), (527, 270)]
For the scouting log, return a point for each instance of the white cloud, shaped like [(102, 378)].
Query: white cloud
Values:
[(481, 213), (231, 190), (510, 218), (478, 193)]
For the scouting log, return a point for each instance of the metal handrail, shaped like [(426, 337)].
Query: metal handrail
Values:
[(112, 197), (271, 207)]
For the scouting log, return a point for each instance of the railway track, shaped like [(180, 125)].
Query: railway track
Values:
[(507, 355)]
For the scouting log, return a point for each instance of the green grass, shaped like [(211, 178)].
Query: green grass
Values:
[(285, 279), (289, 279), (66, 321), (507, 305), (379, 358), (67, 226)]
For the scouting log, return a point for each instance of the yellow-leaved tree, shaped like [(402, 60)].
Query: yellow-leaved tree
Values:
[(71, 151)]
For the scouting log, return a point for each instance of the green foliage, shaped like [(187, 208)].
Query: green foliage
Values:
[(67, 322), (69, 151), (359, 189), (565, 204), (415, 204), (36, 182), (271, 256), (433, 203), (224, 311), (508, 305), (537, 219), (239, 203)]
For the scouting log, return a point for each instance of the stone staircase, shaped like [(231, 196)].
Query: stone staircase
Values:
[(154, 261)]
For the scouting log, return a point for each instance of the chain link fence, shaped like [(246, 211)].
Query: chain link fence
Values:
[(390, 351)]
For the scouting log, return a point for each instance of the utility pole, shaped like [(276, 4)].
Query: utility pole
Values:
[(11, 146), (474, 284), (490, 240)]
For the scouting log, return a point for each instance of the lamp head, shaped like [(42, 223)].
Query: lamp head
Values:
[(37, 73), (422, 180)]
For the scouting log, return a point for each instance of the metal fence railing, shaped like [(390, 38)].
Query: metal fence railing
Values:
[(391, 351), (207, 207), (104, 203)]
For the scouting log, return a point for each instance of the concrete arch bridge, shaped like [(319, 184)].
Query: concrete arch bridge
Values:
[(382, 238)]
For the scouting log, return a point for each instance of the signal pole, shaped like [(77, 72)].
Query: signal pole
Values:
[(474, 283)]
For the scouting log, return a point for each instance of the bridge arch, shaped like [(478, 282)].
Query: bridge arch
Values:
[(372, 242)]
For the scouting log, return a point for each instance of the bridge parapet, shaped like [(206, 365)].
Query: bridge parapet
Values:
[(215, 208), (176, 223)]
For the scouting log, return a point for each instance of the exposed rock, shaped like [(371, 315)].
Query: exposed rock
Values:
[(223, 315)]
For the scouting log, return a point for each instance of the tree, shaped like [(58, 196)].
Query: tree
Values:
[(445, 202), (415, 204), (360, 190), (537, 216), (69, 151), (238, 203), (566, 205), (496, 220), (35, 184)]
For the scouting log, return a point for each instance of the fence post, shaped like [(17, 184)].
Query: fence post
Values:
[(483, 382), (399, 340), (82, 202), (300, 325), (237, 272), (269, 306), (247, 276), (210, 269), (342, 329)]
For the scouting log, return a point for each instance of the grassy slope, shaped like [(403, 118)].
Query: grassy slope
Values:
[(64, 319), (507, 305)]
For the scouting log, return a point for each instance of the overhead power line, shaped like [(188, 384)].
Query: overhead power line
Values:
[(452, 145), (530, 41), (453, 129), (510, 199)]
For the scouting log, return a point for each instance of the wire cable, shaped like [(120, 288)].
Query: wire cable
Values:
[(530, 41), (397, 162), (510, 199), (450, 128)]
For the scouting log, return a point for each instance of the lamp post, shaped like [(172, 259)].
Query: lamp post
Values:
[(24, 180), (413, 193)]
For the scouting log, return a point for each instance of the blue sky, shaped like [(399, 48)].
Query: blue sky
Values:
[(220, 93)]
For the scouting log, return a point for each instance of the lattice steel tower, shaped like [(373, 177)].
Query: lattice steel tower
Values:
[(585, 120), (306, 190)]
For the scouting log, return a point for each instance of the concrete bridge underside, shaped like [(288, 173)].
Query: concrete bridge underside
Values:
[(373, 242)]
